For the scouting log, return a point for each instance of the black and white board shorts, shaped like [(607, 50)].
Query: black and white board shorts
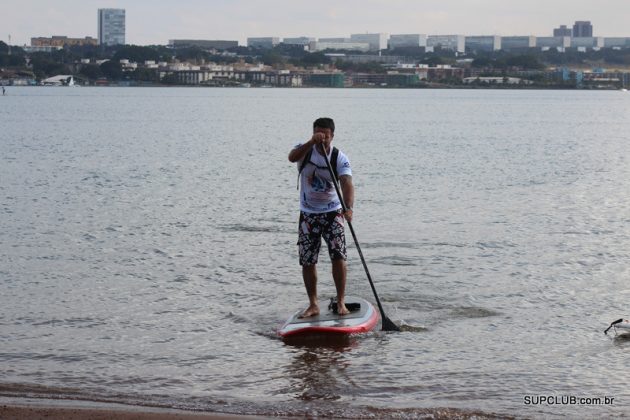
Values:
[(315, 226)]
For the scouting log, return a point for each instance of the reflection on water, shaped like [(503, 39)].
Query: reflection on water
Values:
[(319, 371), (621, 339)]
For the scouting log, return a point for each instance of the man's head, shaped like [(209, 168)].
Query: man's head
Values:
[(325, 126), (324, 123)]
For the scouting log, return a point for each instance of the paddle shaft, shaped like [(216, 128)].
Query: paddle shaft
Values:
[(388, 325)]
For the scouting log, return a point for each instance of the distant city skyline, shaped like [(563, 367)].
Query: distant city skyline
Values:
[(149, 22)]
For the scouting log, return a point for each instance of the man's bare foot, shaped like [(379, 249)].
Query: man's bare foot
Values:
[(312, 310), (341, 309)]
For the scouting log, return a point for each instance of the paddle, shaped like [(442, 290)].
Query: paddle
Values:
[(619, 321), (387, 324)]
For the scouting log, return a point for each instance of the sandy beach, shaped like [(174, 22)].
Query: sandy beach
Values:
[(51, 412)]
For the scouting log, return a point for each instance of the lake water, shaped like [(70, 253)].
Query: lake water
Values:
[(147, 249)]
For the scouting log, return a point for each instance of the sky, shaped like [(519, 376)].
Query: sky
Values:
[(155, 22)]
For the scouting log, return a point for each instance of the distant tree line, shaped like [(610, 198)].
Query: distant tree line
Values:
[(63, 61)]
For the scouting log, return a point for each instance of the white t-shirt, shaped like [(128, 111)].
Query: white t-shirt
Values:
[(317, 192)]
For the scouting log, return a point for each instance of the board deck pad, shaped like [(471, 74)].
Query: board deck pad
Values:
[(328, 315), (362, 320)]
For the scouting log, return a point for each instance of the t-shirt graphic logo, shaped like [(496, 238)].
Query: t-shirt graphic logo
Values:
[(318, 184)]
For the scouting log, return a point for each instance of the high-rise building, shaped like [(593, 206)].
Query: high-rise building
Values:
[(377, 41), (447, 42), (301, 40), (582, 29), (559, 42), (203, 43), (617, 42), (562, 31), (111, 26), (588, 42), (61, 41), (514, 43), (263, 42), (347, 46), (483, 43), (335, 40), (407, 40)]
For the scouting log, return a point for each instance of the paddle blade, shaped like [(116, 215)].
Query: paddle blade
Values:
[(388, 325)]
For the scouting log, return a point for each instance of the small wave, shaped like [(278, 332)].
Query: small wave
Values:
[(248, 228), (180, 279), (409, 245), (396, 260), (282, 220), (473, 312), (198, 360), (570, 232), (200, 265), (66, 358), (164, 340), (89, 237), (72, 322), (32, 390), (160, 252), (238, 319), (180, 224), (315, 408), (412, 328), (448, 244), (495, 245), (430, 413), (602, 232), (91, 175)]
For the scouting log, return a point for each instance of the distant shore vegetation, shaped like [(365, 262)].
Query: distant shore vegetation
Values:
[(403, 67)]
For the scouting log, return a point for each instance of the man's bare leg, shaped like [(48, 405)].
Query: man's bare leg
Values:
[(309, 273), (339, 275)]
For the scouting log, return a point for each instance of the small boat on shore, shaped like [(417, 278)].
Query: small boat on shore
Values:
[(60, 80)]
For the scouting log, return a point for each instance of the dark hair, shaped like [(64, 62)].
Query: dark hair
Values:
[(324, 123)]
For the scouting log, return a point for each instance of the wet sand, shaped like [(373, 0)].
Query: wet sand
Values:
[(76, 410), (50, 412)]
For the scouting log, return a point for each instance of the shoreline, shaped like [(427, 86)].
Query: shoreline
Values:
[(40, 409), (33, 408), (434, 87)]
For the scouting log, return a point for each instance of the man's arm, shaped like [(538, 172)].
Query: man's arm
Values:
[(299, 152), (347, 189)]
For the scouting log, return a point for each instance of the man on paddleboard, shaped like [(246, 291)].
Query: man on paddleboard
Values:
[(321, 214)]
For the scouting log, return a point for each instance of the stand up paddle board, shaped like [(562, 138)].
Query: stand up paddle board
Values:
[(362, 318)]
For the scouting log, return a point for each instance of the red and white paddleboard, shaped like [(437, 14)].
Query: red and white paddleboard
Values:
[(362, 318), (624, 325)]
